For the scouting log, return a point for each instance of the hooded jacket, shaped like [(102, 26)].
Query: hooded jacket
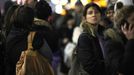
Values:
[(119, 52)]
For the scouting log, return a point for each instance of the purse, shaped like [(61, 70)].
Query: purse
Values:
[(31, 62), (76, 67)]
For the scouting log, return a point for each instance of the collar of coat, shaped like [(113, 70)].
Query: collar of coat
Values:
[(91, 29), (113, 35), (41, 22)]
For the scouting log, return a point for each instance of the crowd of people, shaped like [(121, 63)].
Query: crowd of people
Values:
[(101, 38)]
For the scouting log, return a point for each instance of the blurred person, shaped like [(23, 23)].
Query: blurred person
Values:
[(110, 14), (7, 26), (105, 22), (16, 41), (66, 32), (2, 48), (120, 41), (0, 21), (30, 3), (42, 24), (7, 5), (67, 29), (89, 50), (78, 13)]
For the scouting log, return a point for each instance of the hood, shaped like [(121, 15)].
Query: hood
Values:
[(113, 34), (87, 27)]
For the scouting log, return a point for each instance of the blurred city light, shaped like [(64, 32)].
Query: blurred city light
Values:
[(13, 0), (72, 3), (101, 3), (55, 2), (84, 2), (58, 9), (64, 2)]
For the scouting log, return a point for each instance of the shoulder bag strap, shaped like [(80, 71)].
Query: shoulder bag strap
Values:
[(30, 40)]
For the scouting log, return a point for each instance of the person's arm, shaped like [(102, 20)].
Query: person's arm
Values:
[(127, 63)]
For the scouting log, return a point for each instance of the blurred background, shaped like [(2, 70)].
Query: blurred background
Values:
[(60, 6)]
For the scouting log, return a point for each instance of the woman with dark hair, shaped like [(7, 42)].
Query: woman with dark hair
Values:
[(89, 51), (16, 41), (119, 43)]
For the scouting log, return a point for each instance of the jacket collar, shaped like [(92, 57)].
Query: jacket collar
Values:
[(87, 27), (41, 22)]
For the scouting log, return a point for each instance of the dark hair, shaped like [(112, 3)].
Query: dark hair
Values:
[(10, 13), (23, 17), (91, 5), (7, 5), (42, 10)]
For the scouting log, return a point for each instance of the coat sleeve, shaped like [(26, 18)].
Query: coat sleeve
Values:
[(127, 65), (114, 52), (86, 55)]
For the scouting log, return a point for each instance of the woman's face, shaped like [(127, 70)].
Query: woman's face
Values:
[(93, 16), (131, 19)]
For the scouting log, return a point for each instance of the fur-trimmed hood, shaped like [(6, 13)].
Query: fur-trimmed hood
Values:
[(93, 30), (40, 22), (87, 27), (113, 35)]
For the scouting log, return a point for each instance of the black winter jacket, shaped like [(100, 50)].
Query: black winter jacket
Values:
[(90, 54)]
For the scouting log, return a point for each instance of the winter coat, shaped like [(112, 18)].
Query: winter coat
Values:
[(90, 54), (51, 35), (16, 42), (2, 51), (119, 53)]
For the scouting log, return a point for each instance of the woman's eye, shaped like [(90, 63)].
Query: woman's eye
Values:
[(90, 12), (93, 12)]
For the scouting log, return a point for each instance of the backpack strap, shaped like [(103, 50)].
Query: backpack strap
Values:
[(30, 40)]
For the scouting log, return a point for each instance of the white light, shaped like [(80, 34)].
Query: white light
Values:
[(19, 1), (55, 1), (13, 0), (64, 2), (58, 9), (84, 2)]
